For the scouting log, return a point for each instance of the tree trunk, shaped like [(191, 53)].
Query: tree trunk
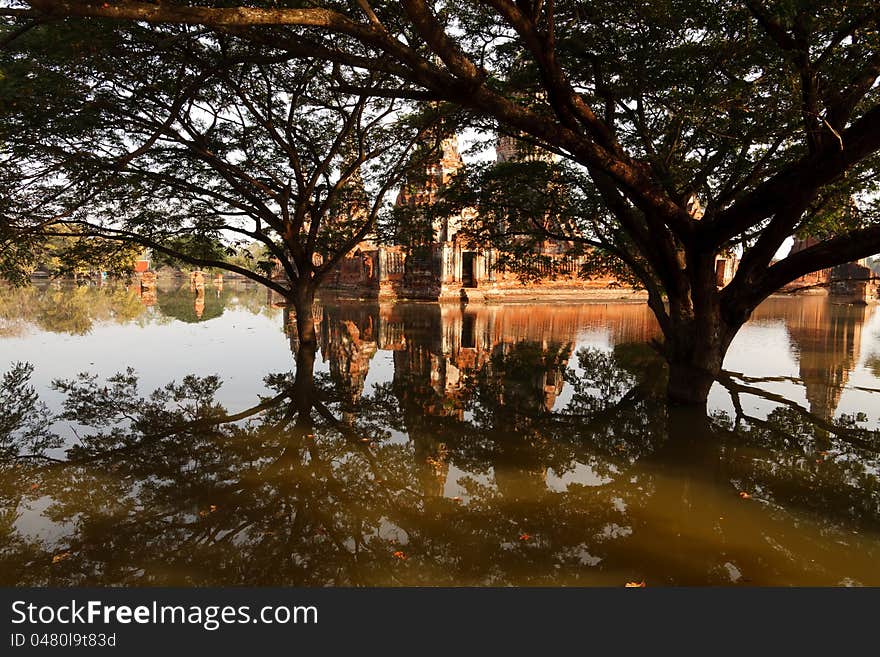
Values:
[(306, 346), (303, 302), (695, 354), (697, 338), (304, 383)]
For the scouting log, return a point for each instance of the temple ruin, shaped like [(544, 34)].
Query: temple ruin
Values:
[(853, 282), (447, 268)]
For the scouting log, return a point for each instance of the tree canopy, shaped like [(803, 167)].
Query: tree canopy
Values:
[(765, 111), (184, 142)]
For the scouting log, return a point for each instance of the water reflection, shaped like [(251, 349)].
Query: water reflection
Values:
[(827, 339), (75, 310), (429, 445), (827, 342), (72, 310)]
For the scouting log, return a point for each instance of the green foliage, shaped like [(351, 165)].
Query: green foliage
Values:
[(25, 421), (18, 258), (61, 255), (196, 144), (203, 247), (65, 253), (73, 310), (253, 256)]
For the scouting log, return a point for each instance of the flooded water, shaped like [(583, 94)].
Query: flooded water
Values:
[(169, 439)]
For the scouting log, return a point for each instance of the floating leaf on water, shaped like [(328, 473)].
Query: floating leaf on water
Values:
[(61, 556)]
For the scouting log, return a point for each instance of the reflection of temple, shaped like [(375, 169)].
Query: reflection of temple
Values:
[(145, 287), (448, 352), (827, 337), (196, 302), (348, 343), (828, 341), (197, 285), (447, 343), (443, 354)]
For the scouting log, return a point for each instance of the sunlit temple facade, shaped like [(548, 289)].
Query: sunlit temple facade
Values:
[(853, 282), (447, 267)]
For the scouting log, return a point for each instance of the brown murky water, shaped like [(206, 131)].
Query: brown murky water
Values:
[(487, 445)]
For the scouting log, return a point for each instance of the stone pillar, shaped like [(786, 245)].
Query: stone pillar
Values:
[(381, 267), (445, 263), (196, 280)]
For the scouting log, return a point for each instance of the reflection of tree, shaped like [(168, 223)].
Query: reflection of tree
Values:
[(312, 486), (24, 420), (25, 432), (827, 468), (71, 310), (75, 310), (514, 394), (167, 489), (18, 306)]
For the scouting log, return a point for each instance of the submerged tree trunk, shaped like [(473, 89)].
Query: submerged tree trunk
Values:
[(695, 354), (304, 383), (303, 301), (306, 346), (697, 336)]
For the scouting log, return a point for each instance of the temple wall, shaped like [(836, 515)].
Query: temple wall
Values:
[(852, 282), (448, 271), (815, 283), (848, 283)]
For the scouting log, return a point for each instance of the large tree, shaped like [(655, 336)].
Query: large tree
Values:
[(765, 110), (180, 141)]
